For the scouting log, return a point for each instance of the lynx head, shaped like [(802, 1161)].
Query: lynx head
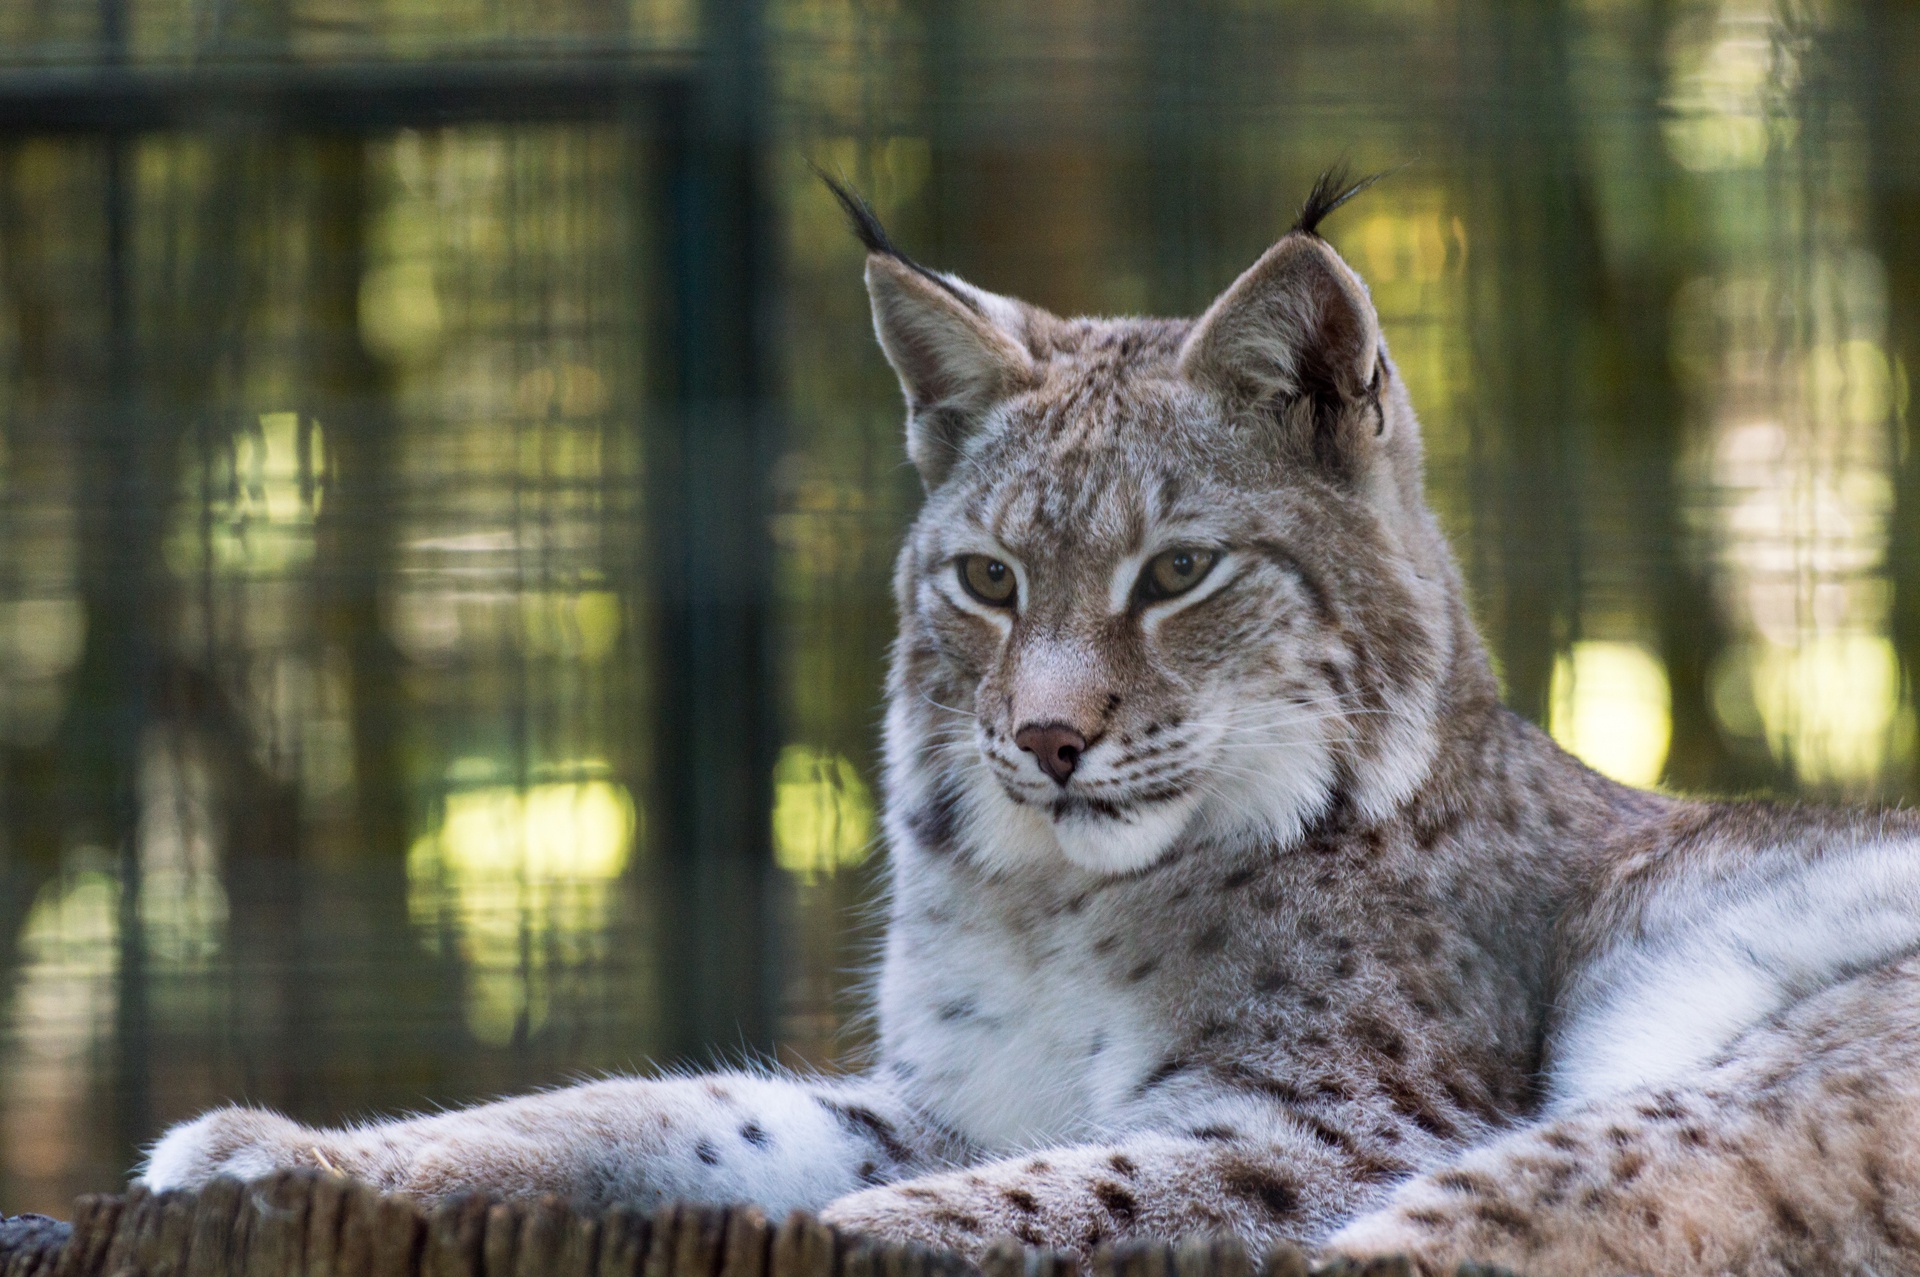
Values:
[(1174, 580)]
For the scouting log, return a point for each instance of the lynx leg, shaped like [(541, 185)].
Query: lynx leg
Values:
[(1076, 1197), (779, 1142), (1799, 1151)]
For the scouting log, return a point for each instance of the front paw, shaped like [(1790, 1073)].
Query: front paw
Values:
[(917, 1211), (245, 1143), (1429, 1252)]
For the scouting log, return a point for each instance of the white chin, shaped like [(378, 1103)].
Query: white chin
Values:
[(1123, 844)]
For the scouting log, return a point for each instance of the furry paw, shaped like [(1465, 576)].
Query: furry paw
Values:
[(245, 1143), (1386, 1234), (916, 1211)]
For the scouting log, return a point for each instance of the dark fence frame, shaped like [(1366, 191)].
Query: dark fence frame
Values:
[(697, 122)]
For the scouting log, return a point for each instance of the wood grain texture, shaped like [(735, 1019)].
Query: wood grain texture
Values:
[(309, 1224)]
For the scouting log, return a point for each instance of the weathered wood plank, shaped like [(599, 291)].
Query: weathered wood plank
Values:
[(325, 1207), (399, 1232), (804, 1247), (359, 1217), (703, 1231), (454, 1232), (744, 1247), (277, 1224), (905, 1261), (210, 1242), (664, 1244), (624, 1237), (302, 1224), (579, 1247), (93, 1219), (1284, 1260), (863, 1260), (500, 1241), (134, 1211), (542, 1230)]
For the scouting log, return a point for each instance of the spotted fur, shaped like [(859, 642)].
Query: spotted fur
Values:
[(1307, 936)]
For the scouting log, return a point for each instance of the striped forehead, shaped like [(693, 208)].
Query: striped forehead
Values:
[(1086, 498), (1083, 505), (1084, 405)]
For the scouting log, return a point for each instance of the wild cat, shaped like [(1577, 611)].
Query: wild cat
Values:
[(1226, 896)]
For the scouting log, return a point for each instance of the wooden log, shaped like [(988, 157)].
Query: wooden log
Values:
[(398, 1232), (501, 1240), (905, 1261), (135, 1209), (93, 1219), (1284, 1260), (23, 1260), (702, 1241), (454, 1232), (1383, 1266), (240, 1240), (1193, 1257), (579, 1247), (302, 1224), (1005, 1258), (326, 1205), (1231, 1258), (359, 1217), (210, 1241), (30, 1245), (744, 1248), (863, 1260), (168, 1256), (664, 1243), (624, 1234), (542, 1229), (276, 1213), (1143, 1259), (804, 1247)]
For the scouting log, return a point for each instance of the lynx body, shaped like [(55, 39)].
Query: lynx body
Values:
[(1226, 895)]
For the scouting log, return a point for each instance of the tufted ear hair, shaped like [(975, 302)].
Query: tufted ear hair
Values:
[(1297, 324), (958, 350)]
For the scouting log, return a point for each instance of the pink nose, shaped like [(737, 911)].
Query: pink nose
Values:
[(1056, 746)]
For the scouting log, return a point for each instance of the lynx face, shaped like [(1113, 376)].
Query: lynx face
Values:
[(1173, 579)]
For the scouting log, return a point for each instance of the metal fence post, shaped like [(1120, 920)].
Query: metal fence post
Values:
[(708, 452)]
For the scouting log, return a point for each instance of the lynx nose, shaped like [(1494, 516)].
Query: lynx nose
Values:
[(1056, 746)]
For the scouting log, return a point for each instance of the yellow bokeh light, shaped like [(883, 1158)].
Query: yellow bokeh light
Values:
[(400, 313), (582, 829), (581, 625), (822, 812), (1829, 706), (262, 494), (1612, 708), (62, 1010), (524, 877)]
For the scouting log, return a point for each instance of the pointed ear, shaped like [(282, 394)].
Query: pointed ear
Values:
[(957, 350), (1297, 326)]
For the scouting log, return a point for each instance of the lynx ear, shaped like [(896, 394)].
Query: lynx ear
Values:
[(956, 350), (1298, 325)]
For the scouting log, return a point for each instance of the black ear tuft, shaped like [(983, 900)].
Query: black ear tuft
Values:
[(860, 216), (872, 235), (1329, 192)]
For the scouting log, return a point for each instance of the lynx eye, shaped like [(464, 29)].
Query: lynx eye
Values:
[(1175, 571), (988, 580)]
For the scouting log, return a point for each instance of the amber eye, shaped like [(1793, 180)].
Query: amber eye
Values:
[(988, 580), (1175, 572)]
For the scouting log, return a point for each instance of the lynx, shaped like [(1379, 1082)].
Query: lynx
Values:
[(1226, 896)]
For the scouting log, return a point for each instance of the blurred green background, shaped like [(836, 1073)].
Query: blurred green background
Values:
[(447, 483)]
